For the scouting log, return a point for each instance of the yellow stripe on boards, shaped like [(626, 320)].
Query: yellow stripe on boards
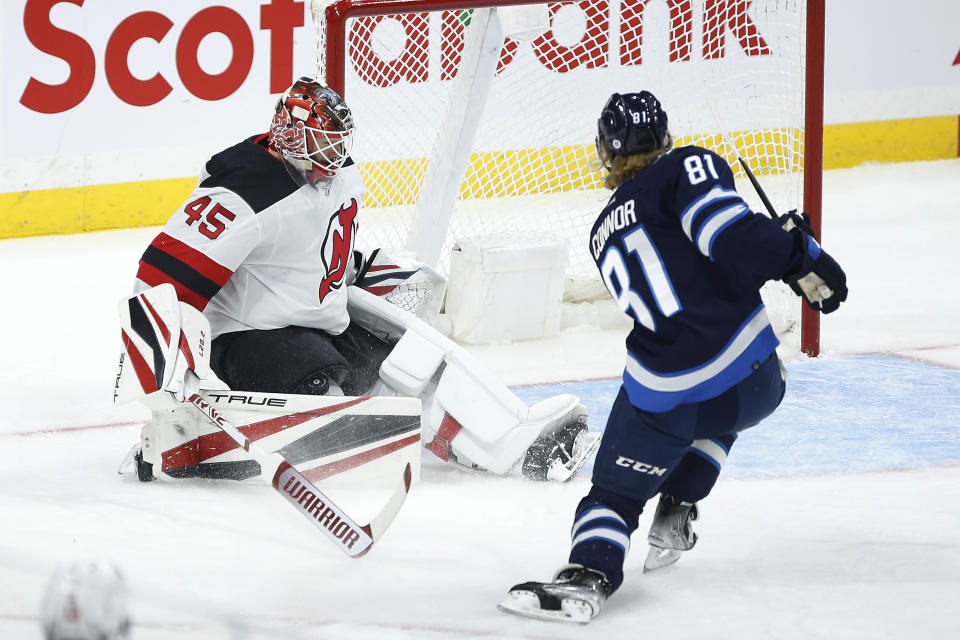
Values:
[(92, 208), (847, 145), (556, 169), (530, 171)]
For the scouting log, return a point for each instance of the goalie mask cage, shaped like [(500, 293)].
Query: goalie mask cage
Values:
[(468, 126)]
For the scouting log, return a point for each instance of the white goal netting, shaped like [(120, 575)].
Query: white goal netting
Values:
[(446, 156)]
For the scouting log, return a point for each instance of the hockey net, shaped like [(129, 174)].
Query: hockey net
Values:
[(464, 131)]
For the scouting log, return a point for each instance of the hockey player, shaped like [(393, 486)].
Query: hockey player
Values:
[(264, 247), (685, 257)]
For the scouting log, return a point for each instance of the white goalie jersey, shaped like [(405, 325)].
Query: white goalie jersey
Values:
[(252, 250)]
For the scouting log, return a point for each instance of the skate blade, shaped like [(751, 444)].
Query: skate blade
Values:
[(658, 558), (527, 604), (127, 462), (583, 447)]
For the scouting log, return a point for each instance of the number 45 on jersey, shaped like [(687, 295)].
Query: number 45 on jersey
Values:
[(212, 226)]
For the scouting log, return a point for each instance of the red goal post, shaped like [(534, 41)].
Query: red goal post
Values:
[(508, 147)]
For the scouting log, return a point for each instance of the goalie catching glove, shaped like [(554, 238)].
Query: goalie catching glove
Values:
[(815, 276)]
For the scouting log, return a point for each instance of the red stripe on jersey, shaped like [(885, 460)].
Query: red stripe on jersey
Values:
[(153, 276), (203, 264)]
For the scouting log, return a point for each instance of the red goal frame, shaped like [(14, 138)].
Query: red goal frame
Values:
[(339, 13)]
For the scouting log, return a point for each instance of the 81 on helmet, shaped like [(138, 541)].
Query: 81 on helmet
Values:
[(631, 123)]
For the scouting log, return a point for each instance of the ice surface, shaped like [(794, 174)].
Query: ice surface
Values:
[(837, 518)]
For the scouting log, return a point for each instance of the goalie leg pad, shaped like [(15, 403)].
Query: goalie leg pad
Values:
[(411, 364), (497, 427), (469, 415), (169, 445), (321, 435), (468, 412)]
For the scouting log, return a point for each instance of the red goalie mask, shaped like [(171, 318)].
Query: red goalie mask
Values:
[(312, 130)]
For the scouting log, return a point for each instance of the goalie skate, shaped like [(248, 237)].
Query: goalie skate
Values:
[(670, 533), (575, 595), (558, 456)]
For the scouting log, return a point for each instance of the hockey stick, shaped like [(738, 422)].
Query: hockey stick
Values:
[(353, 539), (757, 187), (160, 336)]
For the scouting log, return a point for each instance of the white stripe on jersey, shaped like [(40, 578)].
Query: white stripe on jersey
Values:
[(693, 377), (688, 215), (716, 223)]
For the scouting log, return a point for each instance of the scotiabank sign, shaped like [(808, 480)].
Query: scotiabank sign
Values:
[(278, 17), (122, 90), (588, 43)]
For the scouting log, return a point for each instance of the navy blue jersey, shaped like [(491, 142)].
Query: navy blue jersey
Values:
[(685, 257)]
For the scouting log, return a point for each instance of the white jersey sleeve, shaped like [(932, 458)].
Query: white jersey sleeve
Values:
[(201, 246)]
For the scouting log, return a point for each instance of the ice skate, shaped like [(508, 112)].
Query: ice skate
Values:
[(576, 594), (134, 460), (558, 456), (670, 533)]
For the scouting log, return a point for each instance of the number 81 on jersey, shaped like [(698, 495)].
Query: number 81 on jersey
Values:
[(616, 277)]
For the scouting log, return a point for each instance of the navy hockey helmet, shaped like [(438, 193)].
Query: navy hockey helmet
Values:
[(631, 123)]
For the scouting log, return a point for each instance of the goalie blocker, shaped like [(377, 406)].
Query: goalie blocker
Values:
[(164, 339)]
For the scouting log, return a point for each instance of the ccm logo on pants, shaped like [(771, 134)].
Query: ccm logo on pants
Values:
[(642, 467)]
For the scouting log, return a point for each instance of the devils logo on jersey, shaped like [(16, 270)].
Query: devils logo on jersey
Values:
[(337, 248)]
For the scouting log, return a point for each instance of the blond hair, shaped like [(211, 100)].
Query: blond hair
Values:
[(627, 166)]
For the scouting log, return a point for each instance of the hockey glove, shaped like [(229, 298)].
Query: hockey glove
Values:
[(817, 278), (792, 220), (362, 264)]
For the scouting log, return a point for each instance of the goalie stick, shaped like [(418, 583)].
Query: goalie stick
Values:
[(166, 343), (353, 539)]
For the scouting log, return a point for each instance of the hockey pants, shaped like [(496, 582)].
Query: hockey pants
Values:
[(678, 452)]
